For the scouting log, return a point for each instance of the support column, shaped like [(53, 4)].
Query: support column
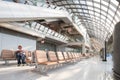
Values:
[(116, 52), (105, 53), (83, 48)]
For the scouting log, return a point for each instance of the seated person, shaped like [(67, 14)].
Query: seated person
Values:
[(20, 55)]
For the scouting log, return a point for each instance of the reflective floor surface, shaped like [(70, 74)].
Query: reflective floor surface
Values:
[(89, 69)]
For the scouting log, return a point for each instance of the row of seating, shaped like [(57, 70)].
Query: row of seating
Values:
[(46, 60), (8, 55), (50, 59)]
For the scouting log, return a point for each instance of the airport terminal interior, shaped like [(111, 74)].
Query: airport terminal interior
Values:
[(59, 40)]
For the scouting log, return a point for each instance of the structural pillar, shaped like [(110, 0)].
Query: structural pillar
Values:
[(116, 52), (83, 48), (105, 53)]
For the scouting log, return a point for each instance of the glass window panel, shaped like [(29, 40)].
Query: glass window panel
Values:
[(84, 6), (97, 1), (90, 8), (118, 13), (103, 13), (89, 3), (98, 17), (76, 1), (61, 36), (58, 3), (45, 5), (104, 8), (33, 24), (108, 25), (70, 10), (97, 10), (115, 2), (78, 24), (78, 6), (79, 10), (66, 6), (104, 2), (112, 25), (91, 12), (64, 2), (85, 11), (92, 16), (52, 32), (38, 25), (70, 2), (110, 16), (56, 34), (97, 14), (40, 31), (82, 2), (76, 13), (76, 20), (75, 10), (66, 38), (108, 21), (111, 12), (49, 31), (27, 26), (102, 22), (117, 18), (103, 17), (42, 27), (82, 14), (114, 22), (97, 5), (72, 6), (46, 29), (113, 8)]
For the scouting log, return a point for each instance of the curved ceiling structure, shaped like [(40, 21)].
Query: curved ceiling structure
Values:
[(97, 16)]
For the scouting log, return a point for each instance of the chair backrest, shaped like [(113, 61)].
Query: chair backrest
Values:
[(60, 55), (52, 56), (28, 54), (70, 55), (73, 55), (80, 55), (76, 54), (8, 54), (65, 55), (40, 56), (29, 57)]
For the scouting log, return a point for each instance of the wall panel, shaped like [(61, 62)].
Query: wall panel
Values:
[(11, 39)]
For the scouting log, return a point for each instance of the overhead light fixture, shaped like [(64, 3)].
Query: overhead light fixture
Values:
[(42, 41)]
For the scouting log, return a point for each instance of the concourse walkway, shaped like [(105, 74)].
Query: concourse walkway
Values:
[(88, 69)]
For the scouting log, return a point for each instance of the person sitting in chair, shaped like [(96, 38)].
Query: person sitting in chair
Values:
[(20, 55)]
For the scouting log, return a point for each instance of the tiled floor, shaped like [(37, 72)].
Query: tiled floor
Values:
[(89, 69)]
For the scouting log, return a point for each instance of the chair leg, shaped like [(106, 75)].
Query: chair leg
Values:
[(44, 68), (6, 62)]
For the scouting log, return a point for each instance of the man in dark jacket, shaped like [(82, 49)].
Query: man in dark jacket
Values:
[(20, 55)]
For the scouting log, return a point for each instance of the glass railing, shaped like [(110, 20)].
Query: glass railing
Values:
[(44, 30)]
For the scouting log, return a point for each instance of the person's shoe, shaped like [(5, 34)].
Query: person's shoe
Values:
[(18, 65), (23, 65)]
